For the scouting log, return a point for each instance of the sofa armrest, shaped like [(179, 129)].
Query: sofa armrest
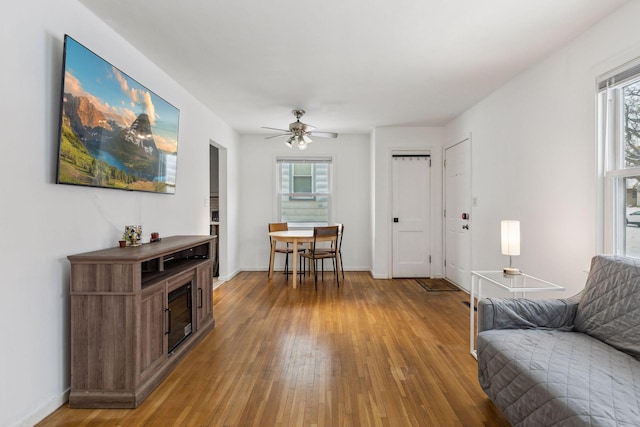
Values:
[(520, 313)]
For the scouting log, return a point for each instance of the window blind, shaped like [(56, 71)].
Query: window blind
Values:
[(303, 160), (628, 71)]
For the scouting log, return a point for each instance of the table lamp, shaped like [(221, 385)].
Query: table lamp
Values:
[(510, 233)]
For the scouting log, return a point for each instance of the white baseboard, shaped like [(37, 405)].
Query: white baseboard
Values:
[(386, 276), (217, 283), (378, 276), (330, 268), (229, 276), (262, 269), (44, 410), (327, 267)]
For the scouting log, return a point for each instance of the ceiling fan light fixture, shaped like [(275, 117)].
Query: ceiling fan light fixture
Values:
[(299, 133)]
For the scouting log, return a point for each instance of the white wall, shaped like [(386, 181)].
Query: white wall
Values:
[(384, 141), (351, 176), (43, 222), (534, 155)]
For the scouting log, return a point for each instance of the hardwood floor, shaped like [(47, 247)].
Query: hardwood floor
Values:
[(370, 353)]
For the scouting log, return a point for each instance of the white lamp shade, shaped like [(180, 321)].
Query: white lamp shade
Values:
[(510, 233)]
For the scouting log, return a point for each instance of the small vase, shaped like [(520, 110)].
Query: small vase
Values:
[(123, 243)]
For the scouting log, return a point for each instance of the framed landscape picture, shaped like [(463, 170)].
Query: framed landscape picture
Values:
[(114, 132)]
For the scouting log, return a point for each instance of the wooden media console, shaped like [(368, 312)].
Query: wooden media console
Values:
[(122, 323)]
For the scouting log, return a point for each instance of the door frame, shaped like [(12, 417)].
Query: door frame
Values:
[(223, 231), (472, 204)]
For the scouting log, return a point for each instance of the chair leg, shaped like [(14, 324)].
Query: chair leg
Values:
[(286, 265), (335, 268), (315, 274)]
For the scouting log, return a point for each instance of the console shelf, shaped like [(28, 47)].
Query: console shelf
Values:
[(152, 277), (120, 317)]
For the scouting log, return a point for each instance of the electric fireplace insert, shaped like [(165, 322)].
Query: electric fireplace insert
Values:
[(179, 318)]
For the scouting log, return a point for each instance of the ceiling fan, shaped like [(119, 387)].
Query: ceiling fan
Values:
[(300, 133)]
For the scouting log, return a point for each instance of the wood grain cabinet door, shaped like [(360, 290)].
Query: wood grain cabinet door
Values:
[(153, 340), (204, 301)]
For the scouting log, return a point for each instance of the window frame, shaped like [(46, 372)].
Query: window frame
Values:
[(612, 170)]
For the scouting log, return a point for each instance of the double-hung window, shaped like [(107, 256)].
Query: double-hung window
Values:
[(619, 163), (304, 191)]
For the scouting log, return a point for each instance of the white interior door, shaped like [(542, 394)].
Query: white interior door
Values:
[(457, 214), (411, 175)]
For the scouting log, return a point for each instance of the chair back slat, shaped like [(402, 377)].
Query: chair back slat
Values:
[(325, 234), (326, 231), (278, 226)]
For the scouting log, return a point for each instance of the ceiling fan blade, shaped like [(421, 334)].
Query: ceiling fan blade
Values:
[(275, 136), (323, 134), (281, 130)]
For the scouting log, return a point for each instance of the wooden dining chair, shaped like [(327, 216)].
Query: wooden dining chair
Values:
[(286, 250), (318, 252), (339, 248)]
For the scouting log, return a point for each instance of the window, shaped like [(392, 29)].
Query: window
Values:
[(302, 179), (619, 151), (304, 191)]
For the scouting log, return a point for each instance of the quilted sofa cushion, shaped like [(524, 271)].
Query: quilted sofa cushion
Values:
[(609, 309), (553, 378)]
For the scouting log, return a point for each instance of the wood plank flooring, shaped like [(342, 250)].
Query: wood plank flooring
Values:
[(370, 353)]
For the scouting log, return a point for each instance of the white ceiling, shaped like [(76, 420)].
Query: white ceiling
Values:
[(351, 64)]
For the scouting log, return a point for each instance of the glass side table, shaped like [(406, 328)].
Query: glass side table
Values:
[(517, 284)]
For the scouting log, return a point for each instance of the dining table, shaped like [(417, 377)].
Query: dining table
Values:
[(295, 237)]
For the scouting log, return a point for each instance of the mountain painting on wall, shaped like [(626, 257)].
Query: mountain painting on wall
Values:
[(114, 132)]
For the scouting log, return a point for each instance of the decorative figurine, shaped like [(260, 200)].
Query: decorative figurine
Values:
[(133, 234)]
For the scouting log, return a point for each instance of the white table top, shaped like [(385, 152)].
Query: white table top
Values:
[(292, 233)]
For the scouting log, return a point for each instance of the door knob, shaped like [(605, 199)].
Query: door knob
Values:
[(395, 219)]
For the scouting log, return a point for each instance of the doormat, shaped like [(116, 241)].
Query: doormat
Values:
[(436, 285)]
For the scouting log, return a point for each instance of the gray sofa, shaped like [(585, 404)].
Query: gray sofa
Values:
[(566, 362)]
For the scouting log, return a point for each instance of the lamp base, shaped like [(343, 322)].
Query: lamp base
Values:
[(513, 271)]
